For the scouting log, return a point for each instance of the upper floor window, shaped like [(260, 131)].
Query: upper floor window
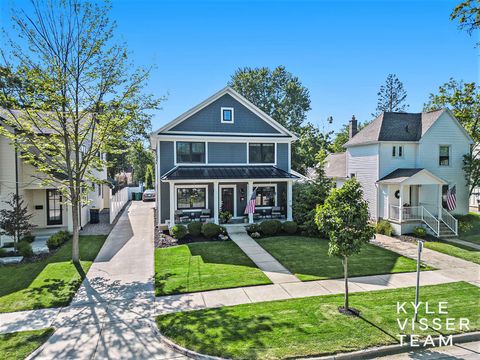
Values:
[(190, 152), (397, 151), (261, 153), (444, 155), (227, 115)]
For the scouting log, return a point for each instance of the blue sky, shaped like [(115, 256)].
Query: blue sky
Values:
[(341, 50)]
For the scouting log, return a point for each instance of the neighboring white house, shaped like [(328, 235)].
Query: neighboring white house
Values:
[(50, 213), (406, 163), (475, 198)]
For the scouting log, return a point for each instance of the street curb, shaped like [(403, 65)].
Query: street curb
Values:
[(354, 355)]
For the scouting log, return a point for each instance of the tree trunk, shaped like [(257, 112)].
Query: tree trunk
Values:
[(345, 274), (75, 238)]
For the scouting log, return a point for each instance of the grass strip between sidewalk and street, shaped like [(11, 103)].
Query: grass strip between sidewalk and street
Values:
[(307, 258), (50, 282), (18, 345), (204, 266), (313, 326)]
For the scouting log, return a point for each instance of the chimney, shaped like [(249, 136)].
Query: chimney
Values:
[(353, 127)]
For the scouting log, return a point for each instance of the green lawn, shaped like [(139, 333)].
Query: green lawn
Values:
[(204, 266), (20, 344), (47, 283), (457, 250), (469, 227), (308, 258), (313, 326)]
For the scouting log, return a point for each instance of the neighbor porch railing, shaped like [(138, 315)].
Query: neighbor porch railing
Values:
[(412, 213), (450, 221)]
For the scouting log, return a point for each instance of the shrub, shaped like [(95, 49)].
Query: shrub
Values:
[(178, 231), (3, 252), (58, 239), (270, 227), (255, 235), (25, 249), (420, 232), (211, 230), (253, 228), (225, 216), (195, 228), (28, 238), (384, 227), (290, 227)]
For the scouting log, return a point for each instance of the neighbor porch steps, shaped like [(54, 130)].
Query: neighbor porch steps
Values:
[(446, 232)]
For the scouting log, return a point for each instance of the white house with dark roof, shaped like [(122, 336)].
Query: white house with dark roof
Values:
[(211, 159), (406, 163)]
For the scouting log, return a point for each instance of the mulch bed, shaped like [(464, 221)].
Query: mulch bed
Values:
[(413, 239)]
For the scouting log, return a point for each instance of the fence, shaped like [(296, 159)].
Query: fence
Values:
[(117, 202)]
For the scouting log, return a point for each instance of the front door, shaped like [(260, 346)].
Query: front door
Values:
[(228, 199), (54, 207)]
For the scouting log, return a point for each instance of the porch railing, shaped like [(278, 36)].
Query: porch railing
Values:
[(450, 221), (409, 213)]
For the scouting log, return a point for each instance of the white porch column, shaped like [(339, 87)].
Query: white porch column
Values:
[(249, 194), (439, 187), (400, 200), (215, 202), (289, 200), (172, 203)]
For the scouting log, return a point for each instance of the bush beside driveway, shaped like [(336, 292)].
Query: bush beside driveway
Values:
[(204, 266), (50, 282), (307, 258)]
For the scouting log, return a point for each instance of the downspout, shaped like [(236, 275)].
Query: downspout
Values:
[(16, 178)]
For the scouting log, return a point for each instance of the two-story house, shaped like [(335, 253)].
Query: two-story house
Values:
[(216, 155), (50, 212), (407, 163)]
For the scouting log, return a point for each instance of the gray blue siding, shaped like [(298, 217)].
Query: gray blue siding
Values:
[(282, 156), (208, 119), (227, 153), (164, 201), (166, 156)]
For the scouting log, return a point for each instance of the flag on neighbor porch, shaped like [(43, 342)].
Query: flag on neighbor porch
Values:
[(452, 198), (250, 208)]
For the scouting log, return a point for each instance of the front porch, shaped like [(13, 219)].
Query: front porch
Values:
[(414, 197), (215, 191)]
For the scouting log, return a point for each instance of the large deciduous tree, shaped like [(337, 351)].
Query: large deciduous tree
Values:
[(139, 158), (344, 218), (87, 94), (391, 96), (467, 13)]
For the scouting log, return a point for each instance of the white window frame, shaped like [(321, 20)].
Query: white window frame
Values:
[(449, 155), (397, 151), (205, 186), (221, 115), (234, 186), (276, 194), (262, 142)]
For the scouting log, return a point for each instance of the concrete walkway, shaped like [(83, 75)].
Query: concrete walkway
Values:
[(110, 317), (275, 271)]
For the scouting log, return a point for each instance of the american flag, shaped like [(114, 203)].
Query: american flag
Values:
[(250, 208), (452, 198)]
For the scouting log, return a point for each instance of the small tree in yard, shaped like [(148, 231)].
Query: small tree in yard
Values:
[(344, 218), (15, 221), (149, 177)]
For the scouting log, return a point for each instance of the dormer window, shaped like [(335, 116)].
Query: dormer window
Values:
[(227, 115)]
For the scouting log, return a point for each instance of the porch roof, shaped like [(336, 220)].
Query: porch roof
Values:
[(227, 172), (413, 176)]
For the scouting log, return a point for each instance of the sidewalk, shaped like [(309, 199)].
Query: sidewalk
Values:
[(275, 271)]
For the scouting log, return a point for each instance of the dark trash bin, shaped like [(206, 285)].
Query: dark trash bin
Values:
[(138, 196), (94, 216)]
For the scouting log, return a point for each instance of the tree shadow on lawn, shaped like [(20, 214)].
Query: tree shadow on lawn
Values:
[(216, 330), (25, 342)]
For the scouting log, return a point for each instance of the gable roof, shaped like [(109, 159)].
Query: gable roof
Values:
[(396, 126), (226, 90), (336, 165), (402, 175)]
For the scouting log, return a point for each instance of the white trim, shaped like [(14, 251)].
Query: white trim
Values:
[(190, 187), (449, 156), (256, 185), (221, 115), (234, 187), (236, 96)]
